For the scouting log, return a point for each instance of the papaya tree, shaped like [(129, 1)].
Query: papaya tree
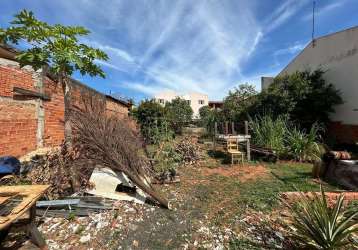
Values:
[(56, 48)]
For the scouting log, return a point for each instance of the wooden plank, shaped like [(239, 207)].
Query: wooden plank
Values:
[(30, 193)]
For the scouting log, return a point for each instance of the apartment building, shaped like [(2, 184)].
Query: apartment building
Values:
[(195, 100)]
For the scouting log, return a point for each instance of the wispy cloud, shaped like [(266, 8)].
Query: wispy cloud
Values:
[(288, 9), (181, 45), (323, 10), (291, 49)]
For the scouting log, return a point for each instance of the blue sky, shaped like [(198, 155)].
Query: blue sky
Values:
[(207, 46)]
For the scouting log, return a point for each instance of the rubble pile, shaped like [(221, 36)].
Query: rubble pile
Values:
[(188, 150), (58, 168), (265, 229)]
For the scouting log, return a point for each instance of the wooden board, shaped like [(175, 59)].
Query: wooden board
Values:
[(30, 194)]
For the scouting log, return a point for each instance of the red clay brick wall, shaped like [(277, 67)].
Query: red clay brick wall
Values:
[(18, 120), (19, 116), (10, 77), (54, 133), (18, 126), (343, 133), (115, 108)]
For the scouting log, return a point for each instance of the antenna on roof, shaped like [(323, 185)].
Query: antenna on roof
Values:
[(313, 22)]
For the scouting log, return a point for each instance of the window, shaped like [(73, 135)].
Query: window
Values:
[(161, 101), (188, 101), (201, 102)]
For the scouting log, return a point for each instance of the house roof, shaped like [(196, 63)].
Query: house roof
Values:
[(120, 100)]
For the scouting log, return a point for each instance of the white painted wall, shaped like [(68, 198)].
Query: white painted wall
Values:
[(338, 55), (197, 100)]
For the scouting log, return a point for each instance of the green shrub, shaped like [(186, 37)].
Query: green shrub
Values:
[(304, 146), (178, 113), (316, 225), (305, 96), (154, 126)]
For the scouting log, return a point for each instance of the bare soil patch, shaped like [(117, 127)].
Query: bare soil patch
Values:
[(244, 173)]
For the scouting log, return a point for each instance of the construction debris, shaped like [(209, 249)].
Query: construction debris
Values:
[(110, 141), (58, 168), (109, 184)]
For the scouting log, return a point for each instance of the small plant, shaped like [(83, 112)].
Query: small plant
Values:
[(317, 225)]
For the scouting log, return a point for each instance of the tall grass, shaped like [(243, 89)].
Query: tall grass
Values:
[(286, 139), (270, 133), (304, 146)]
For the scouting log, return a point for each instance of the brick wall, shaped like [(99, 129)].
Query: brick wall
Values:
[(18, 126), (114, 108), (343, 133), (54, 133), (27, 123)]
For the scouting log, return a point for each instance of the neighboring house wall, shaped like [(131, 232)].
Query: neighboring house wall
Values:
[(196, 100), (337, 54), (28, 123)]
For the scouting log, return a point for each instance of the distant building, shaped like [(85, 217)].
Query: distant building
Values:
[(216, 104), (337, 54), (195, 100)]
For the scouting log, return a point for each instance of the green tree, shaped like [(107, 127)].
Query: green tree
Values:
[(236, 105), (55, 48), (305, 96), (178, 113), (151, 117), (208, 118)]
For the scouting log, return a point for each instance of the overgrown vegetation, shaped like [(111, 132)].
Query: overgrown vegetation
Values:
[(160, 123), (287, 139), (305, 96)]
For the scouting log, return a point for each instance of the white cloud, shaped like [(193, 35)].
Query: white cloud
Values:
[(323, 10), (182, 45), (291, 49), (283, 13)]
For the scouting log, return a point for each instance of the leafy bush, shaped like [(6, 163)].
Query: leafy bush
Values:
[(153, 124), (270, 133), (178, 113), (208, 117), (304, 146), (167, 159), (304, 96), (238, 101), (318, 226)]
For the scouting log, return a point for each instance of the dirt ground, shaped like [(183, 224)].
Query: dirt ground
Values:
[(215, 206)]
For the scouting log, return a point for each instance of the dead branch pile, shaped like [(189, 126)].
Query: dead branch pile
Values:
[(109, 141), (188, 150), (59, 169)]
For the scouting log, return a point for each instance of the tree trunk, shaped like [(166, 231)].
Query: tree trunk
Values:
[(66, 87), (67, 100)]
